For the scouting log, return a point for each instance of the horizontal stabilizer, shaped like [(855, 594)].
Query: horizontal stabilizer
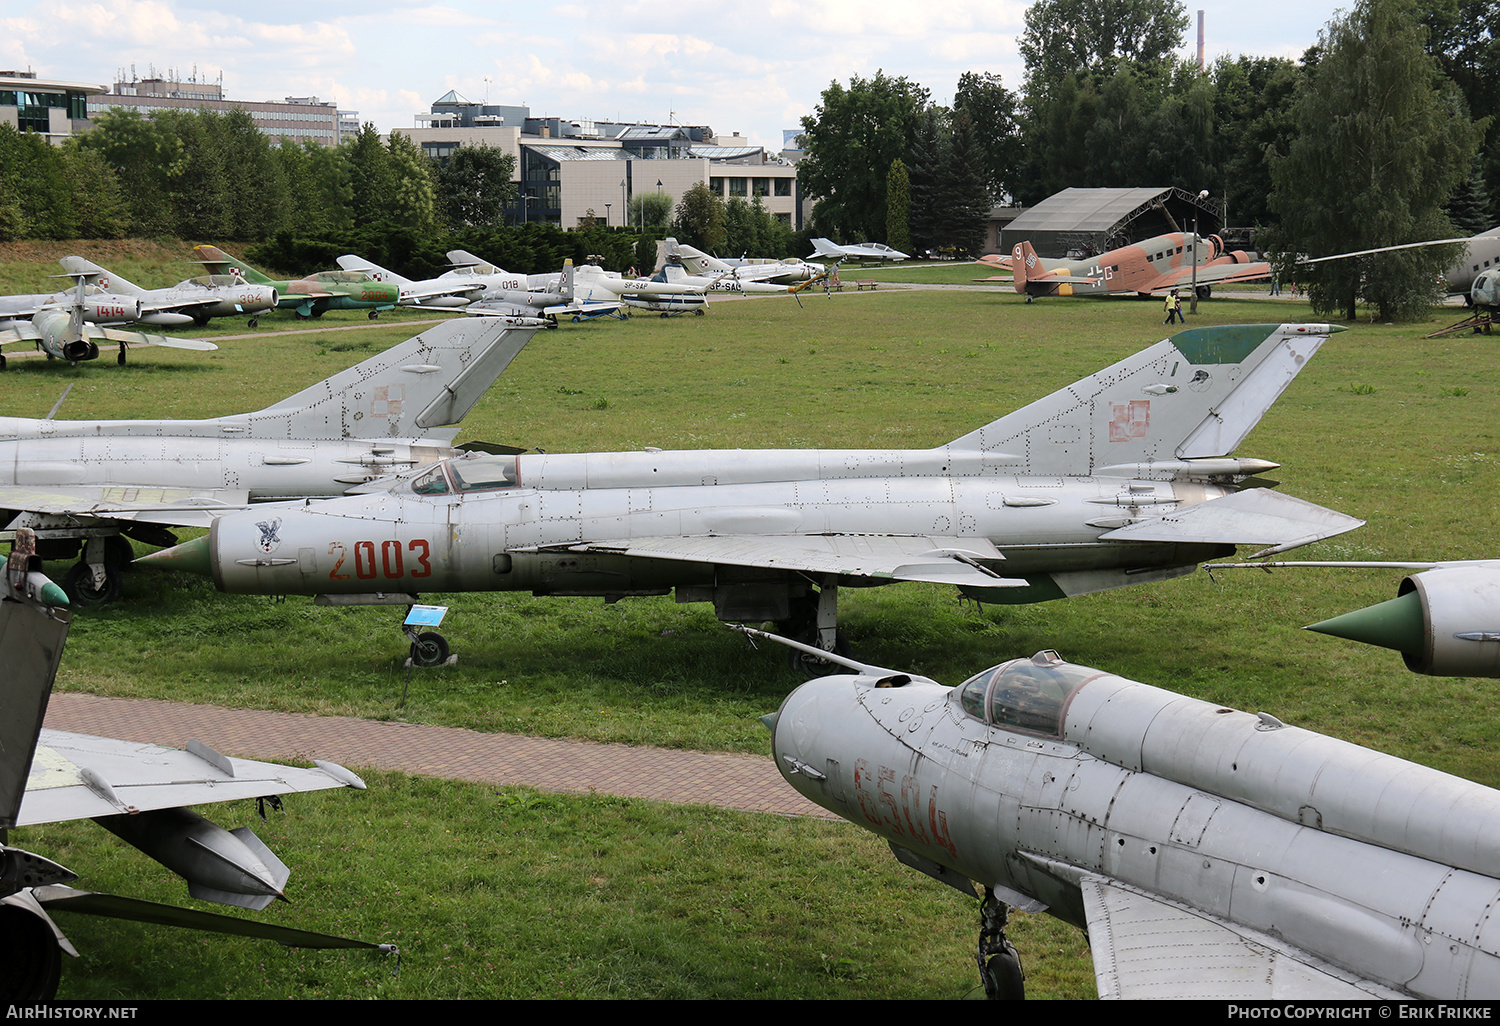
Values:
[(58, 898), (1255, 516)]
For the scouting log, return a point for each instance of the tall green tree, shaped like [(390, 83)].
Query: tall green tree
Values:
[(100, 209), (699, 219), (145, 158), (1089, 38), (898, 207), (649, 210), (1383, 139), (413, 200), (475, 183), (992, 110), (850, 140)]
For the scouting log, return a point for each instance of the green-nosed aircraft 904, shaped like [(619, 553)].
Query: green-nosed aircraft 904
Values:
[(315, 294), (1124, 477)]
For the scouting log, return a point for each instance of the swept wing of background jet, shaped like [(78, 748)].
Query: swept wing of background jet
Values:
[(64, 327), (135, 791), (94, 480), (1122, 478), (1208, 853), (313, 295), (194, 301)]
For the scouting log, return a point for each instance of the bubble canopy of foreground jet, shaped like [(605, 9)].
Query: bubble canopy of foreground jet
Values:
[(1122, 478), (1208, 853)]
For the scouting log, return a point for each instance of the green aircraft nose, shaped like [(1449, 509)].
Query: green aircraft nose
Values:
[(53, 595), (191, 556), (1396, 624)]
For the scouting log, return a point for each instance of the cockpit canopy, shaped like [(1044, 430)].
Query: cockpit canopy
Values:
[(467, 474), (1025, 694)]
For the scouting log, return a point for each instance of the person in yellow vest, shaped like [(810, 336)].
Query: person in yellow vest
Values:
[(1173, 307)]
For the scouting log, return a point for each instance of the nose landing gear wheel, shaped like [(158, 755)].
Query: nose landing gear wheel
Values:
[(430, 649)]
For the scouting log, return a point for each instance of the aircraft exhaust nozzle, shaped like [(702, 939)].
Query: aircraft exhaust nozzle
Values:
[(230, 867), (81, 350)]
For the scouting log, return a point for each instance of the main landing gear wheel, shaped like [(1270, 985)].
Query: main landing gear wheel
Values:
[(84, 592), (430, 649), (29, 952), (2, 361), (120, 360), (373, 314), (697, 313), (253, 323)]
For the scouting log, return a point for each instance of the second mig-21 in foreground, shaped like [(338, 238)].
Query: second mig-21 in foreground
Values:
[(1209, 853), (1121, 478)]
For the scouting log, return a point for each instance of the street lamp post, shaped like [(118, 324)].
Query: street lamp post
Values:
[(606, 214), (1197, 242)]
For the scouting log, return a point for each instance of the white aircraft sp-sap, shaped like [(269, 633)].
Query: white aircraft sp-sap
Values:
[(1122, 478), (194, 301), (136, 791), (1209, 853), (91, 481), (70, 325)]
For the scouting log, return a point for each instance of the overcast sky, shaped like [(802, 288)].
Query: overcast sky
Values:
[(748, 66)]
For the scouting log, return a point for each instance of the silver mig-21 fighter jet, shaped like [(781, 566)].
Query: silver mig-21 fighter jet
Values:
[(1209, 853), (136, 791), (91, 481), (1121, 478)]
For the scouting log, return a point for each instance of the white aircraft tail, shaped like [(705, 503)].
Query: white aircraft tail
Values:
[(411, 390), (350, 262), (698, 262), (99, 277), (1195, 395)]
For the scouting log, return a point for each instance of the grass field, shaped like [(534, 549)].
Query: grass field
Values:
[(507, 893)]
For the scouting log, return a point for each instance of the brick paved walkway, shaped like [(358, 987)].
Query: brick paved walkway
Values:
[(748, 782)]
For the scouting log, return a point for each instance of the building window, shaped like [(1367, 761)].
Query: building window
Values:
[(737, 187), (716, 186), (762, 187), (783, 186)]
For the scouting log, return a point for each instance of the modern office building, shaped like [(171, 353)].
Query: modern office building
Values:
[(54, 109), (296, 118), (567, 169)]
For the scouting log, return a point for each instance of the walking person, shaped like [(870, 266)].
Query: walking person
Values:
[(1173, 307)]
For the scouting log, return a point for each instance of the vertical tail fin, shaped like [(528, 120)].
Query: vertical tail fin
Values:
[(98, 276), (1195, 395), (1023, 259), (565, 283), (350, 262), (216, 261), (428, 382)]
